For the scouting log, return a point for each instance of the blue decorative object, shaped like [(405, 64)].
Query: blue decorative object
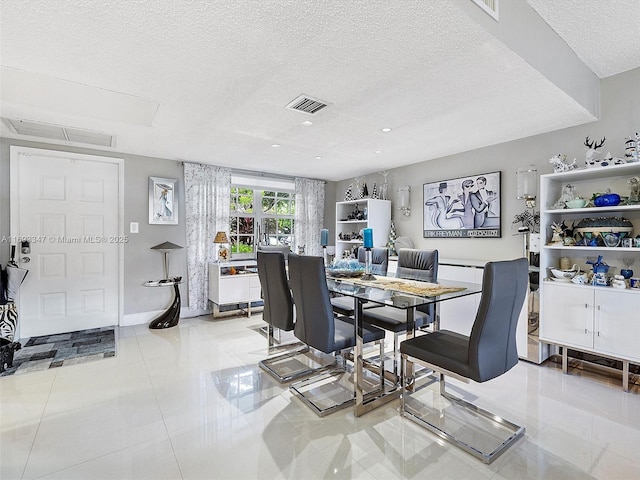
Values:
[(368, 237), (599, 266), (607, 200), (324, 237), (627, 273)]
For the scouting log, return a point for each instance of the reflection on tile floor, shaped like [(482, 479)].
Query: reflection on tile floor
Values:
[(191, 403)]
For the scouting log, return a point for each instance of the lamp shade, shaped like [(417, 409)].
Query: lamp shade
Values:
[(403, 196), (166, 246), (527, 182), (221, 237)]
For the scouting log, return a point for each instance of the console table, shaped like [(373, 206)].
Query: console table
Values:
[(233, 283)]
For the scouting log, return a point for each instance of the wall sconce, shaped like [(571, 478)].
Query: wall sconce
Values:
[(527, 181), (404, 194)]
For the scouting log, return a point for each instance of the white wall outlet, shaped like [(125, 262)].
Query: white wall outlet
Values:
[(133, 227)]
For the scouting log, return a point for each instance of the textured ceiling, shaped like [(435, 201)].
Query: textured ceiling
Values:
[(208, 81), (604, 34)]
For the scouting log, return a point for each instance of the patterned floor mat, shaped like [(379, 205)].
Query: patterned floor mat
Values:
[(71, 348)]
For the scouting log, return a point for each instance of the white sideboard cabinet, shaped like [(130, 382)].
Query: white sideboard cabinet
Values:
[(594, 319), (234, 283)]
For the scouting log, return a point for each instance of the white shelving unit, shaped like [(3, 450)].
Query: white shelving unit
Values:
[(376, 215), (592, 319)]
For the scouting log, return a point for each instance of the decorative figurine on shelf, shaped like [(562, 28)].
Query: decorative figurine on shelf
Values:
[(568, 194), (357, 188), (391, 244), (559, 164), (631, 148), (557, 239), (384, 188), (348, 195), (374, 192), (634, 193), (591, 160)]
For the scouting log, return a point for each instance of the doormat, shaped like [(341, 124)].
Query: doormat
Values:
[(61, 349)]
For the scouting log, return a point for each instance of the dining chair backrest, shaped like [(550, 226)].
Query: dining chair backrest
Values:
[(278, 304), (379, 259), (284, 249), (492, 343), (414, 264), (314, 314), (422, 265)]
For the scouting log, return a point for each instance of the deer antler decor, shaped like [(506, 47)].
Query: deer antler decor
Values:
[(591, 160), (589, 143)]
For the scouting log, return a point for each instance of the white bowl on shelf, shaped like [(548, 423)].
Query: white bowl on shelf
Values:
[(564, 275)]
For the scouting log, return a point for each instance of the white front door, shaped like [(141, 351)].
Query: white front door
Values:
[(68, 207)]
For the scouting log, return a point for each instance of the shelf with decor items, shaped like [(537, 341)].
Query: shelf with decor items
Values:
[(580, 313), (355, 215)]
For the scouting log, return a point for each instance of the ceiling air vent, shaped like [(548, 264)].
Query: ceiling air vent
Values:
[(489, 6), (306, 104), (58, 132)]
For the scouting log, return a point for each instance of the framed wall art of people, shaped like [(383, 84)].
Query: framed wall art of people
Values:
[(465, 207)]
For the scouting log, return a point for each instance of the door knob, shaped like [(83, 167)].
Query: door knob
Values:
[(25, 259)]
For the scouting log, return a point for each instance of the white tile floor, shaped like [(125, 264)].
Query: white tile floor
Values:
[(190, 403)]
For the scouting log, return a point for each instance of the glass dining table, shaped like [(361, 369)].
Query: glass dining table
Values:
[(397, 293)]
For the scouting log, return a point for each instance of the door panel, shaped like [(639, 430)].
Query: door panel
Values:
[(568, 315), (617, 327), (68, 205)]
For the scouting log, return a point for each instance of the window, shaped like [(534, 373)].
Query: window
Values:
[(272, 223)]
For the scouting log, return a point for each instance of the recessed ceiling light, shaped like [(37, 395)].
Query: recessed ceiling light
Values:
[(318, 157), (307, 123), (386, 129), (378, 151), (275, 145)]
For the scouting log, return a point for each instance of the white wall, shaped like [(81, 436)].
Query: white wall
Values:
[(620, 117)]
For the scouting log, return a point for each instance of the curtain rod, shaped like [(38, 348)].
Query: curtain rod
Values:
[(253, 173)]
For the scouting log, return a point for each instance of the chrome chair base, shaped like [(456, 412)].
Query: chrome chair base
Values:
[(475, 430), (325, 393), (333, 390), (297, 364)]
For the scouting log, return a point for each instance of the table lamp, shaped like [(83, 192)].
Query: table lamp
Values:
[(165, 248), (223, 252)]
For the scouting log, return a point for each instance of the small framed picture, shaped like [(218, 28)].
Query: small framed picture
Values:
[(163, 205)]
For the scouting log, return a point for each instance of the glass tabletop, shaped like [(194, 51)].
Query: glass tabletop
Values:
[(399, 299)]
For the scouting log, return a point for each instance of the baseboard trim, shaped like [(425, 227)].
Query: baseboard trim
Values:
[(131, 319)]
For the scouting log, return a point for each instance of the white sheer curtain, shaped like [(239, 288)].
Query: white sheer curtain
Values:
[(207, 193), (309, 214)]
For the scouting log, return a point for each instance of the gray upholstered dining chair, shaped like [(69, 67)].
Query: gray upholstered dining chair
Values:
[(318, 327), (487, 353), (379, 266), (413, 264), (284, 249), (278, 313)]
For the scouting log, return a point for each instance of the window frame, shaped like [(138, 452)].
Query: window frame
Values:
[(258, 215)]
